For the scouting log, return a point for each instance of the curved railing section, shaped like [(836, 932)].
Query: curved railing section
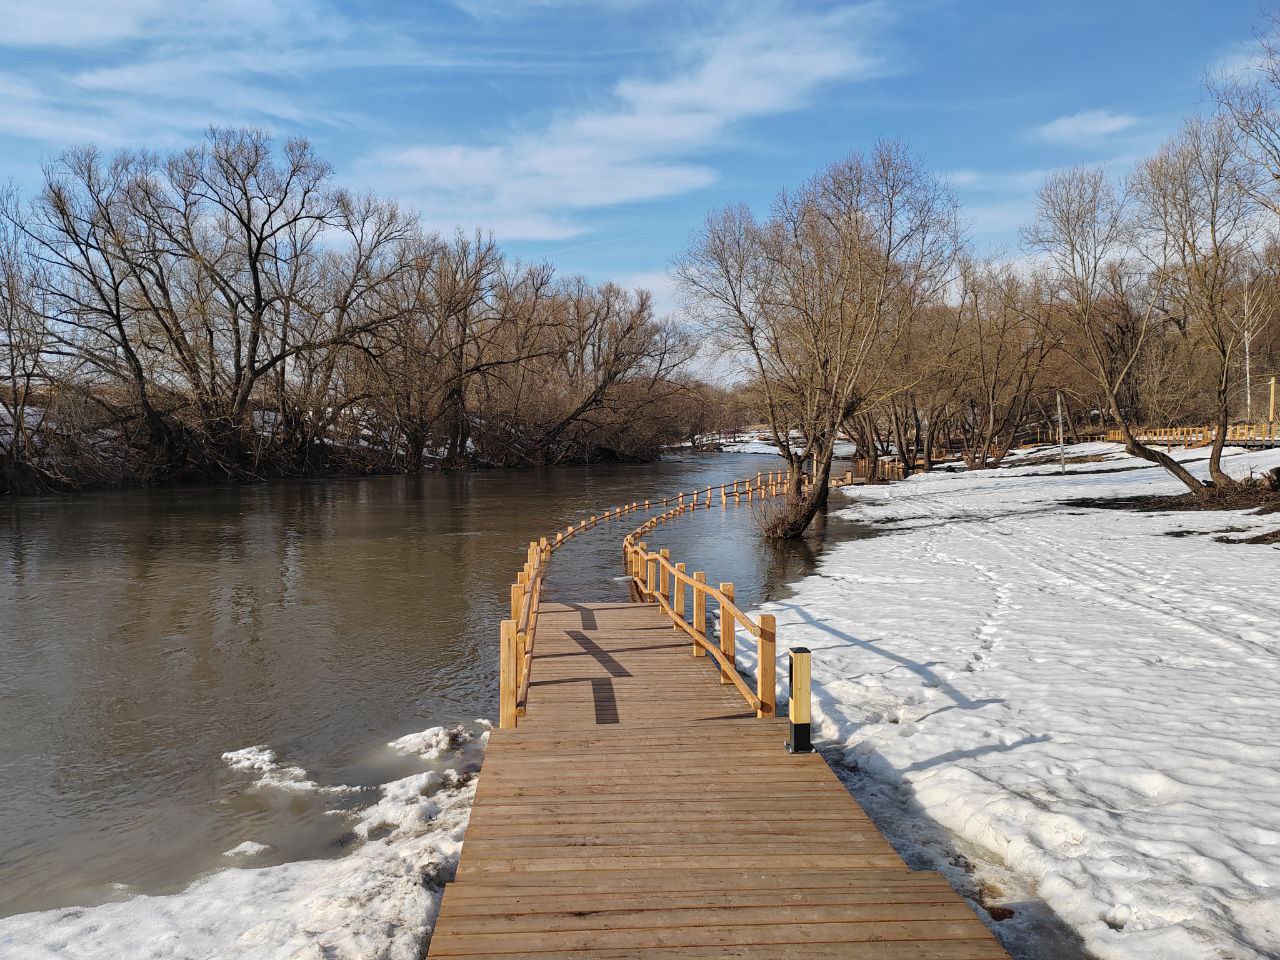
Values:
[(519, 633)]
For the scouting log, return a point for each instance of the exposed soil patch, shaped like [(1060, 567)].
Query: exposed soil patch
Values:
[(1263, 538), (1041, 459), (1259, 500)]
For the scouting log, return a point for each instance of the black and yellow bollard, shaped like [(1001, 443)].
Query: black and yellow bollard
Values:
[(798, 709)]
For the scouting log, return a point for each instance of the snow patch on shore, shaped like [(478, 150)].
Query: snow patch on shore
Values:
[(1069, 710), (377, 903)]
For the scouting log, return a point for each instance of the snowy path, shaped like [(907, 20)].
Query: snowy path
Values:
[(1082, 703)]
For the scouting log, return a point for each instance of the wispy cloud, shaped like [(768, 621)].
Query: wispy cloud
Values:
[(512, 9), (157, 72), (74, 23), (1088, 126), (651, 137)]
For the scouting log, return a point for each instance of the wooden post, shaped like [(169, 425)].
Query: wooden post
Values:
[(517, 598), (664, 587), (767, 666), (507, 677), (798, 708), (727, 627), (699, 611), (677, 593)]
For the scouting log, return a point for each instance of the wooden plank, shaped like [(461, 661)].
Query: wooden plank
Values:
[(979, 949), (454, 944), (735, 915)]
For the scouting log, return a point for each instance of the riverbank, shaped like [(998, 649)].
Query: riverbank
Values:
[(379, 901), (1068, 710)]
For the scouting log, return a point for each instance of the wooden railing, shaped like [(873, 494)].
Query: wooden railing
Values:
[(655, 579), (519, 633), (1202, 436)]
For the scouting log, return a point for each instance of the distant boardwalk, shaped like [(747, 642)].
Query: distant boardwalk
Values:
[(641, 810)]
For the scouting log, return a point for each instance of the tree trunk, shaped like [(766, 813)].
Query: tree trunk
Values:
[(1220, 477), (799, 511)]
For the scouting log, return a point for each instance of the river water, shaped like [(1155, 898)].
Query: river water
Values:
[(145, 633)]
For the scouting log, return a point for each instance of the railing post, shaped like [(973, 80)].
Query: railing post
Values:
[(517, 597), (677, 592), (727, 628), (650, 575), (508, 679), (766, 666), (522, 655), (798, 708), (699, 611), (663, 586)]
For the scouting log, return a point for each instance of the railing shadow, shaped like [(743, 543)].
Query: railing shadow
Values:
[(925, 671), (602, 656)]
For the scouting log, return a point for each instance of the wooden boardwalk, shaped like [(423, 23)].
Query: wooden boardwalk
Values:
[(641, 810)]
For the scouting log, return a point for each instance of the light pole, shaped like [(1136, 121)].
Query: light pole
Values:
[(1062, 446)]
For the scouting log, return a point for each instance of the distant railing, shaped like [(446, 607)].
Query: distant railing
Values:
[(1201, 436), (518, 634)]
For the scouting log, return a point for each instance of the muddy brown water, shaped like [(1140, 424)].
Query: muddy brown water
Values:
[(145, 633)]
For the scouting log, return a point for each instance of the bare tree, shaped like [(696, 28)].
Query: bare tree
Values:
[(816, 298), (1198, 220), (1005, 336), (1084, 230)]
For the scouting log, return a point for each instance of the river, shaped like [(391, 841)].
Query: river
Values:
[(145, 633)]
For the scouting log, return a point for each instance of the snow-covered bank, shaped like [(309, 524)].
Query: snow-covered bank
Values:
[(377, 903), (842, 448), (1080, 701)]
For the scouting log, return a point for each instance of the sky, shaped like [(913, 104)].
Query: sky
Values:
[(597, 135)]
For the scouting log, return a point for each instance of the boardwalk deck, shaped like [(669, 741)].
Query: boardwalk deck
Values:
[(641, 811)]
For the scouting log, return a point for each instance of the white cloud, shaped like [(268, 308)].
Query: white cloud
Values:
[(158, 72), (73, 23), (652, 136), (1088, 126), (659, 284)]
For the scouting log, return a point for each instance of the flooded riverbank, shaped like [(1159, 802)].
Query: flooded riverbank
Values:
[(146, 633)]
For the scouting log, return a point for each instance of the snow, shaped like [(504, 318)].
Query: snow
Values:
[(1068, 710), (250, 848), (842, 448), (377, 903)]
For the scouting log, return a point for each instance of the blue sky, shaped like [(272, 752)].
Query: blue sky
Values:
[(597, 135)]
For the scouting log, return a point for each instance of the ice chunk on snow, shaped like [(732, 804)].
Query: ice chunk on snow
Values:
[(249, 848), (272, 773)]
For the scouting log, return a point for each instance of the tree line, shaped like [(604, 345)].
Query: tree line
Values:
[(225, 312), (857, 308)]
